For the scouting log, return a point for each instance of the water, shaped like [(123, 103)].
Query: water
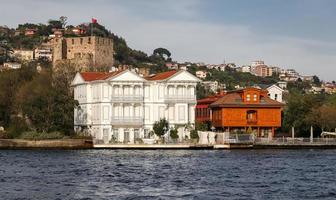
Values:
[(165, 174)]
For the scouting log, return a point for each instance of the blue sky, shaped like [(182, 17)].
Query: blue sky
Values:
[(296, 34)]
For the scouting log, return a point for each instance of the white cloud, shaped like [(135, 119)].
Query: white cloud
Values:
[(147, 25)]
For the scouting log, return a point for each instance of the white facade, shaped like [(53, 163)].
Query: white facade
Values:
[(124, 106), (43, 53), (275, 93), (24, 54), (246, 69), (201, 74)]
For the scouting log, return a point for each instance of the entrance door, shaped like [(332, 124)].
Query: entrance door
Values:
[(126, 136), (105, 135)]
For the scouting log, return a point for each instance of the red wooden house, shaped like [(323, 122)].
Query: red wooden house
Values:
[(247, 109)]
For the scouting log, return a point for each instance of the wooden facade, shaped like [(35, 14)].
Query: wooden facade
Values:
[(247, 109), (203, 111)]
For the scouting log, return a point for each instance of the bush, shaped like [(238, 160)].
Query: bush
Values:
[(16, 127), (3, 135), (173, 134), (33, 135), (194, 134)]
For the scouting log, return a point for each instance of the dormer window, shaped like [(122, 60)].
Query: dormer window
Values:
[(248, 97)]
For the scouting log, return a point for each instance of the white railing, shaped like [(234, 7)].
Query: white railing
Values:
[(127, 98), (180, 98), (126, 120)]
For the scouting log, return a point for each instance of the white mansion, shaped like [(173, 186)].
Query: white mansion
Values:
[(123, 106)]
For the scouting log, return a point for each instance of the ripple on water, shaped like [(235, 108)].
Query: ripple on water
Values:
[(119, 174)]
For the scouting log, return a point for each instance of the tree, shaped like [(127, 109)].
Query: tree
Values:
[(160, 127), (63, 20), (324, 117), (316, 81), (298, 107), (173, 133), (162, 53), (55, 23)]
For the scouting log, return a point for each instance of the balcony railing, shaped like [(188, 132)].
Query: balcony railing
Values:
[(180, 99), (127, 98), (126, 120), (252, 121)]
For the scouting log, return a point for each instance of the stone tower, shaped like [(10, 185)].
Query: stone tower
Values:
[(90, 51)]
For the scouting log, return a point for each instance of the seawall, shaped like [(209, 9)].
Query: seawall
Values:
[(46, 144)]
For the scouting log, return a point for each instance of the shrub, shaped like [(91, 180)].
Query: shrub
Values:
[(194, 134), (16, 127), (160, 126), (173, 134)]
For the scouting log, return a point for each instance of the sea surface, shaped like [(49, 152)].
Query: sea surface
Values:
[(167, 174)]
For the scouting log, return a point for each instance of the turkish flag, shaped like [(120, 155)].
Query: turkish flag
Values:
[(94, 21)]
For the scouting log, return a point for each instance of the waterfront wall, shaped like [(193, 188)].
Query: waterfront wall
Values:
[(46, 144)]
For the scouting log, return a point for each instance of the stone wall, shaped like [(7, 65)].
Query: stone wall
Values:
[(91, 51), (48, 144)]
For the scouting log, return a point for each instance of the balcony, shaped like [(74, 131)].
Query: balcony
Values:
[(134, 121), (252, 121), (127, 98), (180, 99)]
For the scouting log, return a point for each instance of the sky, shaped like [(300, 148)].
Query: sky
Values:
[(299, 34)]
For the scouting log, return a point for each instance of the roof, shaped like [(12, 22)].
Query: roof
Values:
[(94, 76), (161, 76), (235, 100), (210, 99)]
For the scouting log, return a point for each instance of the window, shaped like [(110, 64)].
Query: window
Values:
[(81, 41), (251, 116), (275, 96), (248, 97), (116, 134), (89, 40), (181, 113), (146, 133), (73, 41), (161, 112), (106, 112), (136, 134), (147, 113), (255, 97), (171, 113), (126, 135)]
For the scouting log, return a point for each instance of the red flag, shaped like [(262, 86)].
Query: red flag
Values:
[(94, 21)]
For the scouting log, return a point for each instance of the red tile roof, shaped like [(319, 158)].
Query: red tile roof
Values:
[(161, 76), (94, 76), (210, 99)]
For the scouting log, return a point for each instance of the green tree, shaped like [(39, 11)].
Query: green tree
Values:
[(160, 127), (323, 117), (173, 134), (162, 53)]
